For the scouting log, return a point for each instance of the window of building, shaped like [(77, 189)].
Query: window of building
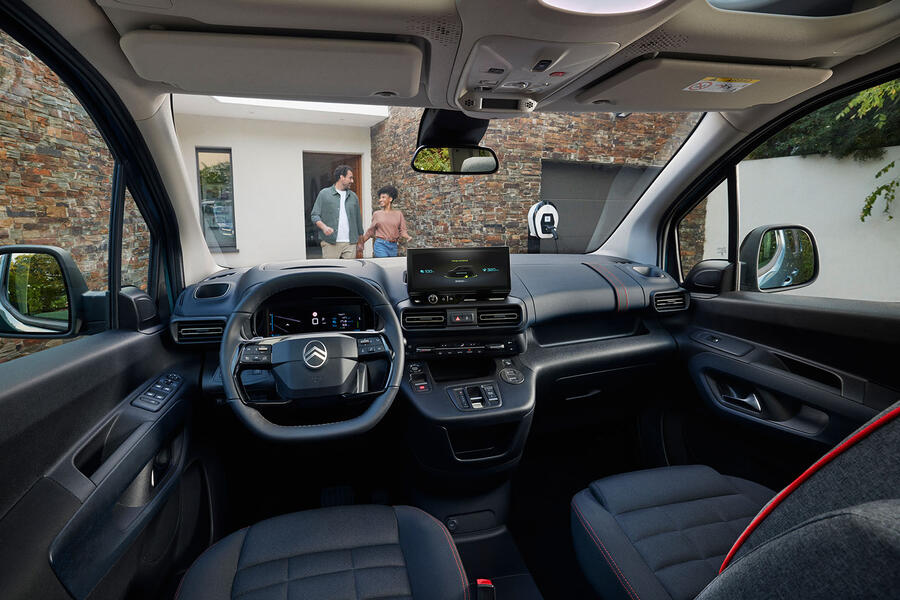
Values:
[(216, 191)]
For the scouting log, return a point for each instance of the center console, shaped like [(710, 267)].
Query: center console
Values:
[(472, 398)]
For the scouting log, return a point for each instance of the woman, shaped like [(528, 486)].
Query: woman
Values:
[(388, 226)]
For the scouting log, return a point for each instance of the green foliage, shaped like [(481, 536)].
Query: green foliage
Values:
[(37, 287), (767, 247), (874, 123), (434, 159), (887, 190), (218, 174), (860, 128), (871, 99)]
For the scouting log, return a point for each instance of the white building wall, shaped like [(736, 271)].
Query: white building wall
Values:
[(267, 163), (857, 260)]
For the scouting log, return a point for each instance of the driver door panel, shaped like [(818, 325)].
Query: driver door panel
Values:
[(87, 474)]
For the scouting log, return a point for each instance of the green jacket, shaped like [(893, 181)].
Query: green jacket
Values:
[(328, 209)]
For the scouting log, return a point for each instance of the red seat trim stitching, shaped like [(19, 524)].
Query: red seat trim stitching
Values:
[(837, 450), (606, 555)]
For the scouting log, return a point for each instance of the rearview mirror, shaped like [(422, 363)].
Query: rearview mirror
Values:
[(778, 257), (455, 160), (41, 292)]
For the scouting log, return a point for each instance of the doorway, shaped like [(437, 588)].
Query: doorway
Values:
[(318, 173)]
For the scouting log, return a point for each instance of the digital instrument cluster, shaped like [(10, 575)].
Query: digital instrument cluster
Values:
[(326, 314)]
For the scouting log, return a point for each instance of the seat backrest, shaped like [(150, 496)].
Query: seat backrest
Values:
[(838, 524)]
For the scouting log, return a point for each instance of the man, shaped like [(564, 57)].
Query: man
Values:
[(336, 214)]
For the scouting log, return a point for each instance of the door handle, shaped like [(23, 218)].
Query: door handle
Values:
[(749, 401)]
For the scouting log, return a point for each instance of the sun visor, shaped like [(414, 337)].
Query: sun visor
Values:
[(250, 65), (672, 85)]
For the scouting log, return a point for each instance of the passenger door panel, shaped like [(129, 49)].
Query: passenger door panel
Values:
[(806, 366)]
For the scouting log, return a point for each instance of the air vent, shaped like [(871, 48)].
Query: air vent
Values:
[(670, 301), (496, 317), (211, 290), (196, 332), (424, 319)]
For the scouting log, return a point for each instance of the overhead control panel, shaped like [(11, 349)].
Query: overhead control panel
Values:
[(514, 75)]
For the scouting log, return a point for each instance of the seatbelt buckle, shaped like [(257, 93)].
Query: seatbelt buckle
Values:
[(484, 590)]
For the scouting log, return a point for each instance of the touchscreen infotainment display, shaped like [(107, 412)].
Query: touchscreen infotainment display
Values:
[(466, 270)]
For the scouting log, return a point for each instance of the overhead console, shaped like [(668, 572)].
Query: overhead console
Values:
[(511, 75)]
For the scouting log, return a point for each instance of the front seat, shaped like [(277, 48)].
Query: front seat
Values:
[(340, 553), (676, 532)]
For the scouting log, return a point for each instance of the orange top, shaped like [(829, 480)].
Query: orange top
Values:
[(389, 225)]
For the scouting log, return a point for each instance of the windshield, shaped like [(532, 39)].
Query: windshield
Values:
[(280, 181)]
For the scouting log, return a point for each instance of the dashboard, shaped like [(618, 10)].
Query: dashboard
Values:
[(478, 351)]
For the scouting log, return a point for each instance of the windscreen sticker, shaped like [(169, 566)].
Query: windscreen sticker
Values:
[(720, 85)]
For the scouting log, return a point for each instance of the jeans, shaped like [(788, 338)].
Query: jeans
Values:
[(383, 248)]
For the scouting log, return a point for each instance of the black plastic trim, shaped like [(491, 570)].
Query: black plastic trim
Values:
[(116, 219)]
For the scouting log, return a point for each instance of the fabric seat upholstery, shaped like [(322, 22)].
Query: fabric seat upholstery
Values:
[(660, 533), (341, 553)]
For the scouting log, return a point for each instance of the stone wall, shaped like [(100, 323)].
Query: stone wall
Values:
[(692, 237), (490, 210), (55, 173)]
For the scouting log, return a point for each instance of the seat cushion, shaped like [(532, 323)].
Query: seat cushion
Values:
[(660, 533), (341, 553)]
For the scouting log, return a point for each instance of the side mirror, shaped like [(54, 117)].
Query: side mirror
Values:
[(455, 160), (778, 257), (41, 293)]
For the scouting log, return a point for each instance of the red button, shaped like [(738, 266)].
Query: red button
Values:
[(557, 73), (422, 387)]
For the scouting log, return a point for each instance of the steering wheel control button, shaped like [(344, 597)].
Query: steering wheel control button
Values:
[(511, 375), (369, 345), (315, 354), (461, 317), (256, 354)]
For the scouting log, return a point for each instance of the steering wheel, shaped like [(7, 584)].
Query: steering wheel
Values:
[(308, 365)]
